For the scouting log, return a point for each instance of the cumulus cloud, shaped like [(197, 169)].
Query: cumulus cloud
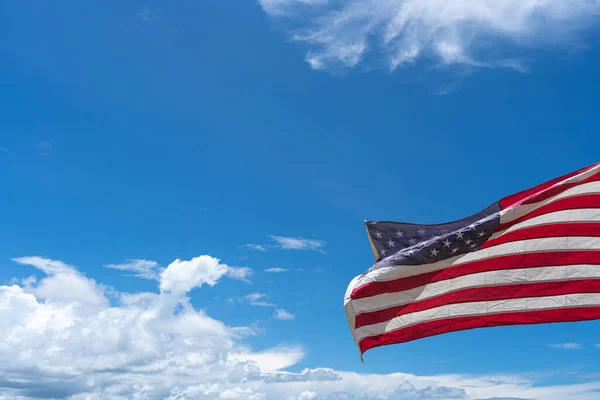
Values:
[(62, 337), (182, 276), (283, 315), (270, 360), (395, 33), (298, 243)]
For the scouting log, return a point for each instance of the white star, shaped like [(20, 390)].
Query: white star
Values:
[(474, 245), (378, 234), (411, 252), (399, 234), (445, 231), (421, 232), (391, 243), (468, 241), (447, 243), (472, 227), (383, 251), (454, 250), (434, 252), (459, 235), (481, 234), (413, 241)]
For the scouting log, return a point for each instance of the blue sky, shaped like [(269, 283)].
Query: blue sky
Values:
[(262, 134)]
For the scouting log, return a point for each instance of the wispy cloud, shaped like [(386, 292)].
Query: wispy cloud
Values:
[(259, 299), (298, 243), (48, 266), (255, 247), (240, 273), (44, 149), (399, 33), (146, 16), (5, 150), (567, 346), (450, 88), (283, 315), (144, 269), (275, 270), (254, 299)]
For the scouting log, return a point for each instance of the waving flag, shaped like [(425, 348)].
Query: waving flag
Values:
[(533, 257)]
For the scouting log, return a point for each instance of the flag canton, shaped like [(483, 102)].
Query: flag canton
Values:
[(411, 244)]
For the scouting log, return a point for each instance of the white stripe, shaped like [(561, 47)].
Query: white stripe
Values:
[(519, 211), (582, 176), (480, 308), (582, 215), (490, 278), (523, 246)]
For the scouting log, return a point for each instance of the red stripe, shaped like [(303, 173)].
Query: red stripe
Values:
[(513, 261), (526, 194), (447, 325), (567, 229), (553, 191), (487, 293), (569, 203)]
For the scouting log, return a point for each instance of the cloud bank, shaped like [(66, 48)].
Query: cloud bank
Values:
[(398, 33), (67, 336)]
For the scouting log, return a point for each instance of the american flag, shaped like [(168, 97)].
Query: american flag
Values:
[(533, 257)]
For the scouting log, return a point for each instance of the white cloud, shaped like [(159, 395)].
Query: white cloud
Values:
[(567, 346), (473, 33), (254, 299), (308, 395), (182, 276), (159, 346), (240, 273), (46, 265), (298, 243), (286, 7), (146, 16), (255, 247), (7, 151), (151, 270), (255, 296), (270, 360), (141, 268), (276, 270), (63, 285), (44, 149), (283, 315), (258, 299)]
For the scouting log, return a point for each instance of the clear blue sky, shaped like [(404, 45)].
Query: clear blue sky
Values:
[(157, 132)]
